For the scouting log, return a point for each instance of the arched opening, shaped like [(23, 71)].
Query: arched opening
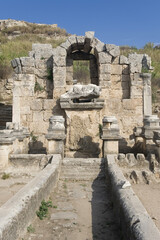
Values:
[(82, 67)]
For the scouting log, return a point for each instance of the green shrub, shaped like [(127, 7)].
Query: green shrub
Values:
[(5, 176), (38, 87), (43, 209)]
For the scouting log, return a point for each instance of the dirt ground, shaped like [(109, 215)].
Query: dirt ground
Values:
[(149, 194), (82, 210)]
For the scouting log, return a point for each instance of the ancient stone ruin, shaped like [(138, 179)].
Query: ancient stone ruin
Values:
[(110, 114)]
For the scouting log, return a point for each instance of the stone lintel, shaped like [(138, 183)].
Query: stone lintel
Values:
[(69, 104)]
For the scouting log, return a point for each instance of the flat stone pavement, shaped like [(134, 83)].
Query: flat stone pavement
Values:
[(82, 210)]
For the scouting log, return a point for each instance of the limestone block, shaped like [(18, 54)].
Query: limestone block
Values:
[(59, 51), (23, 118), (59, 61), (38, 116), (116, 69), (59, 76), (16, 64), (40, 64), (29, 117), (123, 60), (128, 104), (135, 61), (104, 68), (73, 40), (36, 105), (55, 147), (27, 61), (40, 128), (98, 45), (48, 104), (89, 35), (104, 84), (41, 46), (113, 50), (28, 70), (80, 40), (88, 39), (136, 91), (111, 147), (66, 45), (104, 57), (46, 115), (5, 150), (105, 77), (25, 109), (115, 60)]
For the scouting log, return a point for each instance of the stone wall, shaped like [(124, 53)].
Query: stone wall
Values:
[(46, 74)]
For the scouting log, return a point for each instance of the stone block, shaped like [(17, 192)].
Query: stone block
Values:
[(116, 69), (105, 68), (89, 35), (110, 147), (123, 60), (128, 104), (47, 115), (48, 104), (115, 60), (104, 57), (38, 116), (59, 51), (36, 105), (98, 45), (39, 128), (105, 77), (25, 109), (41, 46), (59, 61), (27, 62), (113, 50), (28, 70)]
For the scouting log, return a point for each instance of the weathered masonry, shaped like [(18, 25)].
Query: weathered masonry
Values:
[(42, 80)]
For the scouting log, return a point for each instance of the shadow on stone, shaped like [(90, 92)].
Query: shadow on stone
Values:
[(87, 148), (37, 148), (104, 225)]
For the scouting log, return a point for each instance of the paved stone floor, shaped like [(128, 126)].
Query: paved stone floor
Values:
[(82, 210)]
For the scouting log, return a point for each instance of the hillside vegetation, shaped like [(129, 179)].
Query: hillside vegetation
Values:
[(16, 41)]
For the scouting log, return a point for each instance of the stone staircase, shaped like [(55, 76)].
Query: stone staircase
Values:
[(5, 115), (82, 168)]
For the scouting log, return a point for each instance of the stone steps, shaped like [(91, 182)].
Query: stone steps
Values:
[(82, 168)]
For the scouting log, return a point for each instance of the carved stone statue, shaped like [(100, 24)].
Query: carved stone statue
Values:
[(79, 91)]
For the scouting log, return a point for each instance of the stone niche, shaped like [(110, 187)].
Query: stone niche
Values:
[(44, 77)]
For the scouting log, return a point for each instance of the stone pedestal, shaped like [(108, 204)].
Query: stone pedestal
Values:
[(110, 136), (156, 139), (56, 135), (151, 124)]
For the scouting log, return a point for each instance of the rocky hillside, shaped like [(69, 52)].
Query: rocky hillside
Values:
[(16, 38)]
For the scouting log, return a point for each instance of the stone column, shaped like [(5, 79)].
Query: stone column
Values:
[(110, 136), (56, 135), (147, 94), (151, 124)]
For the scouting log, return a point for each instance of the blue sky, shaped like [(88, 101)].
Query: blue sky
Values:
[(122, 22)]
